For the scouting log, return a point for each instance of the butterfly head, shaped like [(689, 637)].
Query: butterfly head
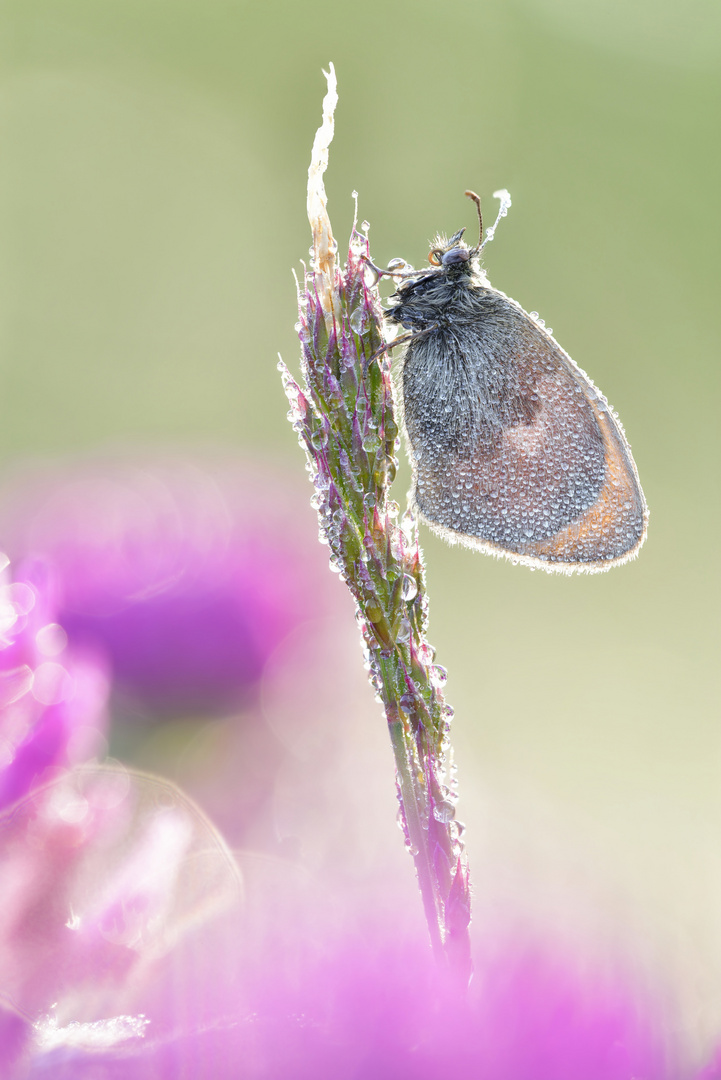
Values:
[(451, 255)]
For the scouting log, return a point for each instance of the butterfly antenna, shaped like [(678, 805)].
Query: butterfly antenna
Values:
[(504, 197), (477, 200)]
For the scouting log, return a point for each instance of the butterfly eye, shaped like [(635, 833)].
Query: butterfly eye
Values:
[(435, 258)]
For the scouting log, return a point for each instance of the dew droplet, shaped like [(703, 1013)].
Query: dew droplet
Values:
[(390, 429), (409, 587), (438, 675), (319, 438), (426, 653), (444, 811), (357, 319), (372, 443)]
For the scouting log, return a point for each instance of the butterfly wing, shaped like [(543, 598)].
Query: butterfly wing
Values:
[(514, 450)]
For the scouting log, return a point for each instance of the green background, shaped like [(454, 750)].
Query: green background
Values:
[(153, 159)]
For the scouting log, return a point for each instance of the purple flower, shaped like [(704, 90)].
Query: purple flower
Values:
[(203, 586), (302, 981), (131, 946), (186, 576), (112, 892), (52, 698)]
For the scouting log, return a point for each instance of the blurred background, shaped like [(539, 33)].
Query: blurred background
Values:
[(153, 161)]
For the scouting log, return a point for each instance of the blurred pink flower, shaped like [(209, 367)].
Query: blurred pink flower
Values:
[(130, 944), (112, 886), (52, 698), (203, 585), (299, 981), (187, 575)]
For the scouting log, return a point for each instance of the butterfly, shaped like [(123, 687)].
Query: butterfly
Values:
[(514, 451)]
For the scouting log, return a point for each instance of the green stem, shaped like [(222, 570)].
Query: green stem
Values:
[(417, 835)]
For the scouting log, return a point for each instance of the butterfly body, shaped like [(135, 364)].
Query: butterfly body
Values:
[(513, 449)]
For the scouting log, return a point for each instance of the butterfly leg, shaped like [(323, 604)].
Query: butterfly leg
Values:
[(392, 271), (412, 336)]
